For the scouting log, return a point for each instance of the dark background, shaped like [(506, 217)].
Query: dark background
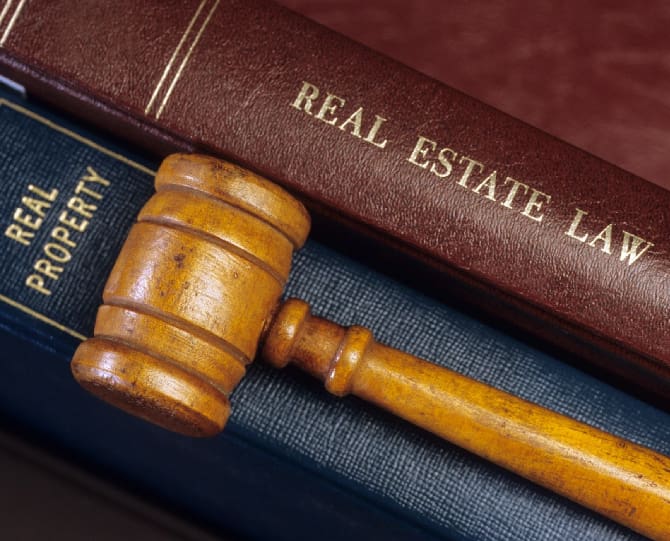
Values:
[(45, 497)]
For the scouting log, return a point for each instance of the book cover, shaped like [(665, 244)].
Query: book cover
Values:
[(592, 74), (568, 247)]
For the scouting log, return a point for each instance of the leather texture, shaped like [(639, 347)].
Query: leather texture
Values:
[(233, 98), (594, 74)]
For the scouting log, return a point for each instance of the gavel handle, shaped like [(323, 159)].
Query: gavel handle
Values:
[(626, 482)]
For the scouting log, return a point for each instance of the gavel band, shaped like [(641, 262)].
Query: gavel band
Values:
[(197, 287)]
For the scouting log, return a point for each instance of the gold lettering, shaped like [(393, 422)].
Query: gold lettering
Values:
[(63, 235), (370, 138), (58, 249), (442, 158), (27, 219), (32, 221), (513, 191), (306, 97), (357, 120), (82, 188), (328, 107), (71, 221), (630, 245), (575, 224), (94, 177), (20, 235), (535, 205), (36, 205), (44, 266), (78, 205), (468, 170), (353, 124), (57, 252), (36, 282), (489, 181), (420, 149), (51, 196), (605, 236)]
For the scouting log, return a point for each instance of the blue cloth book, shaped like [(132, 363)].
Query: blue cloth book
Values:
[(294, 462)]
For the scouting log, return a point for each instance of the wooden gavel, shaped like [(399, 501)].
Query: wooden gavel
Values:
[(197, 288)]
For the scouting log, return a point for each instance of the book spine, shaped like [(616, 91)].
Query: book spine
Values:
[(567, 246)]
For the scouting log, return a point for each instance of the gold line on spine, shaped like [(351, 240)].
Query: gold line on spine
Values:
[(44, 319), (174, 56), (11, 21), (4, 11), (77, 137), (186, 59)]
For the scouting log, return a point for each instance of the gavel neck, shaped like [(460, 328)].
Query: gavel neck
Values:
[(314, 344), (347, 360)]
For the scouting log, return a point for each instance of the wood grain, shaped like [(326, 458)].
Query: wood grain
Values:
[(197, 287), (623, 481)]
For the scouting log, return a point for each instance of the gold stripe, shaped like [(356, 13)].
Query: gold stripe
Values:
[(41, 317), (174, 57), (77, 137), (186, 59), (5, 10), (11, 22)]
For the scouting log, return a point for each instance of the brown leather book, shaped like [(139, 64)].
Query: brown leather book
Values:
[(566, 246), (591, 73)]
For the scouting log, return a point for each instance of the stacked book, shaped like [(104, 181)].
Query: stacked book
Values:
[(476, 212)]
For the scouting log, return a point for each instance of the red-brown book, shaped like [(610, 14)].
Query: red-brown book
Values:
[(593, 74), (563, 244)]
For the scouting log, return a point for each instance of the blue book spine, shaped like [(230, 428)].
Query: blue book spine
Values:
[(67, 201)]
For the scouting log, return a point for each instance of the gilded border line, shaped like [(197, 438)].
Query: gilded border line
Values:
[(10, 25), (173, 57), (186, 59), (23, 308), (167, 75), (44, 319), (4, 11), (76, 136)]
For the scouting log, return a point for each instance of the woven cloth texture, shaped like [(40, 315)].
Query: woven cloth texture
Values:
[(447, 490)]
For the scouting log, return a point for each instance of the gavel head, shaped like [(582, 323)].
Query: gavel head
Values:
[(193, 288)]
